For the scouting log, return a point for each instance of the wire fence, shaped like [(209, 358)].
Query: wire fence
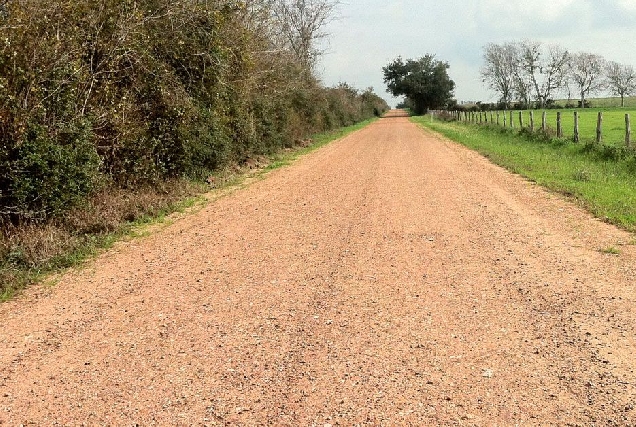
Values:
[(581, 126)]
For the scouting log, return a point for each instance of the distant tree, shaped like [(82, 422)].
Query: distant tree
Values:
[(424, 82), (500, 70), (621, 80), (542, 69), (586, 71)]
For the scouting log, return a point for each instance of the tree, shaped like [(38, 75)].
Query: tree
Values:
[(500, 70), (586, 71), (542, 69), (424, 82), (301, 23), (621, 80)]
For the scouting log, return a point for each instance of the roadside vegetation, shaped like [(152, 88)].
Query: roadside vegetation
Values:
[(34, 250), (601, 178), (114, 111)]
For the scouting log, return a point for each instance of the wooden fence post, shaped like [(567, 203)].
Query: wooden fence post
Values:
[(531, 121), (504, 119), (628, 131), (599, 128), (544, 124), (497, 118), (576, 126), (559, 127), (512, 123), (491, 116), (520, 119)]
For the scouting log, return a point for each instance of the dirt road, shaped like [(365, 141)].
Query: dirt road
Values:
[(390, 278)]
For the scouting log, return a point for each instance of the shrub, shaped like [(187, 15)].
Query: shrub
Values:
[(43, 175), (132, 93)]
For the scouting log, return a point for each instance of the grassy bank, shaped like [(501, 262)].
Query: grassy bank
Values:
[(31, 252), (604, 182)]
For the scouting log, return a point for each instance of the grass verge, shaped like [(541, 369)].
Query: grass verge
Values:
[(604, 184), (29, 253)]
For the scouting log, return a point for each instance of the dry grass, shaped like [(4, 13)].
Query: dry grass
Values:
[(31, 249)]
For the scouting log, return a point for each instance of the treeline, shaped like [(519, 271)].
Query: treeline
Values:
[(531, 74), (124, 93)]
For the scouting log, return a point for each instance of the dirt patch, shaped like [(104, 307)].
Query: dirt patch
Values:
[(391, 277)]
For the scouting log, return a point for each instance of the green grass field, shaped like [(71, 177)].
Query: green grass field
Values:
[(607, 187), (613, 123)]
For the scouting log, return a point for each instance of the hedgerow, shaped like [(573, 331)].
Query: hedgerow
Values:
[(133, 92)]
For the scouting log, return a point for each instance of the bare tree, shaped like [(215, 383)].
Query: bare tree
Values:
[(524, 86), (543, 69), (586, 71), (621, 80), (500, 69), (302, 25)]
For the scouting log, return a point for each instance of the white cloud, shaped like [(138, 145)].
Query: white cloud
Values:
[(628, 5)]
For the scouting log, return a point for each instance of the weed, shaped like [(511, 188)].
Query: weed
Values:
[(610, 250), (582, 176)]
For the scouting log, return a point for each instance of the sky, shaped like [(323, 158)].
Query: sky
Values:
[(369, 34)]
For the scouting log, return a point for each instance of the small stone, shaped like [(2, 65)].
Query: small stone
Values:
[(488, 373)]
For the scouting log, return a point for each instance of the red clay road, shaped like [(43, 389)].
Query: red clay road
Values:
[(390, 278)]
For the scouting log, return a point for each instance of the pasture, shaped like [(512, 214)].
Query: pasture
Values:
[(613, 125), (613, 129)]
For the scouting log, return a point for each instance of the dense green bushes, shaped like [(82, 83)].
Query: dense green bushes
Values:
[(123, 93)]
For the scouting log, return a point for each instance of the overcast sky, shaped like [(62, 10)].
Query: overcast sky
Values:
[(371, 33)]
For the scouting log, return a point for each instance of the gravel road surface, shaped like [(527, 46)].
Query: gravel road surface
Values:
[(390, 278)]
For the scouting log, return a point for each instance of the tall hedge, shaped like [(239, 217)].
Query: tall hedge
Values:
[(124, 92)]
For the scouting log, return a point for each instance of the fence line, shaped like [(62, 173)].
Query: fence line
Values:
[(506, 118)]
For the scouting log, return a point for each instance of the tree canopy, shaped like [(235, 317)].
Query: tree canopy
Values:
[(532, 73), (424, 82)]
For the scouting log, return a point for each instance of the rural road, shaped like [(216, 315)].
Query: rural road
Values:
[(389, 278)]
